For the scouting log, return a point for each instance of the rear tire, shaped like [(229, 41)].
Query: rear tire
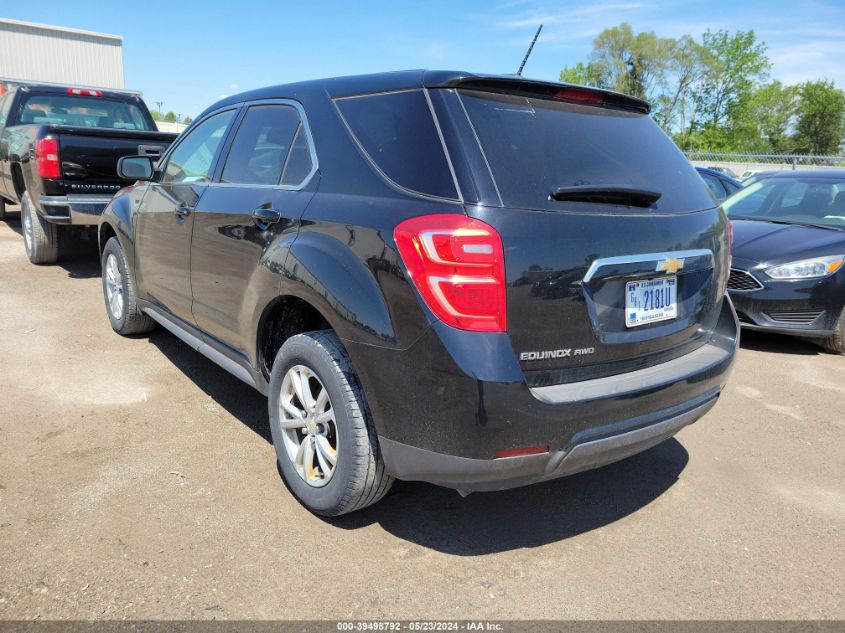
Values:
[(40, 238), (333, 466), (836, 342), (120, 293)]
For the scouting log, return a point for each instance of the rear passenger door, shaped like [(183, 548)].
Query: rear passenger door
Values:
[(258, 195)]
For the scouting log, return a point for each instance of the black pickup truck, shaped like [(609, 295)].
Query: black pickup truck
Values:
[(59, 148)]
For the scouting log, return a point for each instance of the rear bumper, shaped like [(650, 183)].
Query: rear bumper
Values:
[(611, 444), (446, 423), (76, 210)]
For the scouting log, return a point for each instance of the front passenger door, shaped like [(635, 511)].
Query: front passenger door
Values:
[(165, 221)]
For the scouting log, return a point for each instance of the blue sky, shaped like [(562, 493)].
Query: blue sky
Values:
[(190, 53)]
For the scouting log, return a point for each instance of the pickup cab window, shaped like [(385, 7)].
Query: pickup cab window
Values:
[(79, 111)]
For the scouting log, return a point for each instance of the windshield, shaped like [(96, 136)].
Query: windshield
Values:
[(813, 201), (536, 147), (83, 112)]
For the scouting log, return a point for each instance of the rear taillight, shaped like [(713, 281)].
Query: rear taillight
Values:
[(47, 157), (458, 266)]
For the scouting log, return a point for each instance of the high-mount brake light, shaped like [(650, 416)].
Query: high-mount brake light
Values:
[(47, 157), (580, 95), (457, 264), (84, 92)]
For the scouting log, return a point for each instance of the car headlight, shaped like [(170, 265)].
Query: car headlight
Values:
[(807, 268)]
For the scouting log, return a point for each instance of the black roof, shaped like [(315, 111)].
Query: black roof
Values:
[(410, 79)]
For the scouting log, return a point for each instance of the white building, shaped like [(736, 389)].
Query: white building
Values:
[(32, 52)]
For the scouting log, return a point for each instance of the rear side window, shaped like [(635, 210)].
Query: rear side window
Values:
[(83, 112), (261, 145), (397, 132), (299, 163), (535, 146)]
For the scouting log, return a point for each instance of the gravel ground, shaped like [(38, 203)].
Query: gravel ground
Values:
[(137, 480)]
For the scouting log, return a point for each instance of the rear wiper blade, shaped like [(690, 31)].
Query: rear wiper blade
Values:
[(606, 194)]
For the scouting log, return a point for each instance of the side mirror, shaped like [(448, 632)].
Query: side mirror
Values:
[(135, 168)]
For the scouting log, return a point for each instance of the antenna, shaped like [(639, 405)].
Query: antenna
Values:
[(530, 48)]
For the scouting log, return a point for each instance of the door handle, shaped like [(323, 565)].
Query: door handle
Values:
[(266, 215), (182, 210)]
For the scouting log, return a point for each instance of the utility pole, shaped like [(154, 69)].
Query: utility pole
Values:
[(530, 48), (159, 104)]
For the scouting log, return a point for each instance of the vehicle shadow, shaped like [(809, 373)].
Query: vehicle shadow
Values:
[(779, 343), (239, 399), (13, 219), (79, 255), (491, 522)]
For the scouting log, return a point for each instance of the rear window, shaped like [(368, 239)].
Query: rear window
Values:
[(83, 112), (397, 132), (535, 146)]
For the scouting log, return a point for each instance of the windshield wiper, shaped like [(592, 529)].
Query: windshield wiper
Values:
[(786, 222), (606, 194)]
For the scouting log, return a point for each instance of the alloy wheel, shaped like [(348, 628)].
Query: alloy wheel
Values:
[(114, 287), (308, 426)]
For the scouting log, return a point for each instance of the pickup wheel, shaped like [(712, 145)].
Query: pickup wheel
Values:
[(40, 238), (326, 445), (120, 295)]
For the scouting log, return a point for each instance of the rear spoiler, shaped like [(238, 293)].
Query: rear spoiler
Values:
[(543, 90)]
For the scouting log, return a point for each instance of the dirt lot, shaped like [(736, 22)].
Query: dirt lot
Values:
[(137, 480)]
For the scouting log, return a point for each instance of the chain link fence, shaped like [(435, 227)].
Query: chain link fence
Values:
[(744, 165)]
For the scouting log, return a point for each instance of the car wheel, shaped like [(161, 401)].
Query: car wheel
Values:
[(836, 342), (40, 238), (119, 293), (325, 442)]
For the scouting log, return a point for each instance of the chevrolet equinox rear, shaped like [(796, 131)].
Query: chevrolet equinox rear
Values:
[(475, 281)]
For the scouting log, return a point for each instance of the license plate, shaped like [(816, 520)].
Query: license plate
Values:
[(650, 301)]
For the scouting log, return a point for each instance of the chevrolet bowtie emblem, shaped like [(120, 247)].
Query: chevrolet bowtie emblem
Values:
[(670, 265)]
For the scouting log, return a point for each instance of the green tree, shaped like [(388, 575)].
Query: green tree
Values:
[(156, 115), (821, 117), (170, 117), (773, 108), (739, 63), (633, 63)]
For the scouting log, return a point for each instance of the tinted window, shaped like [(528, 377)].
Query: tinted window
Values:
[(83, 112), (299, 164), (398, 133), (714, 184), (535, 146), (261, 145), (192, 159), (729, 186), (795, 200)]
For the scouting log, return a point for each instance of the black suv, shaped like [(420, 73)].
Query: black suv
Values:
[(475, 281)]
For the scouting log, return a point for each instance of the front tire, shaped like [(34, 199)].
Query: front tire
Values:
[(325, 441), (120, 293), (40, 238), (836, 342)]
